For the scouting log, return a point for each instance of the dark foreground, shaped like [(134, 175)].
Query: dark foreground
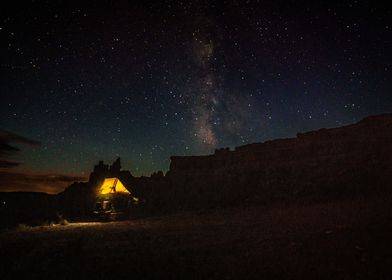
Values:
[(348, 239)]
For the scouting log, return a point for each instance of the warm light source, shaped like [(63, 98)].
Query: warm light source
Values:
[(112, 185)]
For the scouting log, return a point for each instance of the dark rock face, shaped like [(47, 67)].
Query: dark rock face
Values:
[(102, 171), (77, 200), (350, 159), (345, 161)]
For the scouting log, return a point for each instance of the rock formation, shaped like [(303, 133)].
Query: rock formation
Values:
[(349, 160), (78, 200)]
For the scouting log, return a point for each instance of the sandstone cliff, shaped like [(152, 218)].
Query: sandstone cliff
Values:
[(346, 160)]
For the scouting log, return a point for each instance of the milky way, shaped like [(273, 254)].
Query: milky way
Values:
[(148, 81)]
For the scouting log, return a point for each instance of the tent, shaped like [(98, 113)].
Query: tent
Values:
[(114, 200), (111, 186)]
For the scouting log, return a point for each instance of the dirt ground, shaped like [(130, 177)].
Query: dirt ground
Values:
[(347, 239)]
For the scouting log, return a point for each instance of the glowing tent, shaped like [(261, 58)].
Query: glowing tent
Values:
[(111, 186)]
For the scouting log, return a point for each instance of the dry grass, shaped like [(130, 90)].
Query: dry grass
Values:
[(337, 240)]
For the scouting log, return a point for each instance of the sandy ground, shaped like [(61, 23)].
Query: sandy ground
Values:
[(350, 239)]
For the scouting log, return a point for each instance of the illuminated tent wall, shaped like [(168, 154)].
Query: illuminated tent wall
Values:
[(111, 186)]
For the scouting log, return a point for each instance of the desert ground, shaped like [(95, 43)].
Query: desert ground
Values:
[(344, 239)]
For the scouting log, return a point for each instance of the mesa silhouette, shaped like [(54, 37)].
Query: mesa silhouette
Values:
[(326, 164)]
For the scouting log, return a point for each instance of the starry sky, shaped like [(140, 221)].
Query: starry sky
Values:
[(88, 82)]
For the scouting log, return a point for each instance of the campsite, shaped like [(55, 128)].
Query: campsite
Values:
[(227, 215), (196, 140)]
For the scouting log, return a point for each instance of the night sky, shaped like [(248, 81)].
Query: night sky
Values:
[(86, 83)]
